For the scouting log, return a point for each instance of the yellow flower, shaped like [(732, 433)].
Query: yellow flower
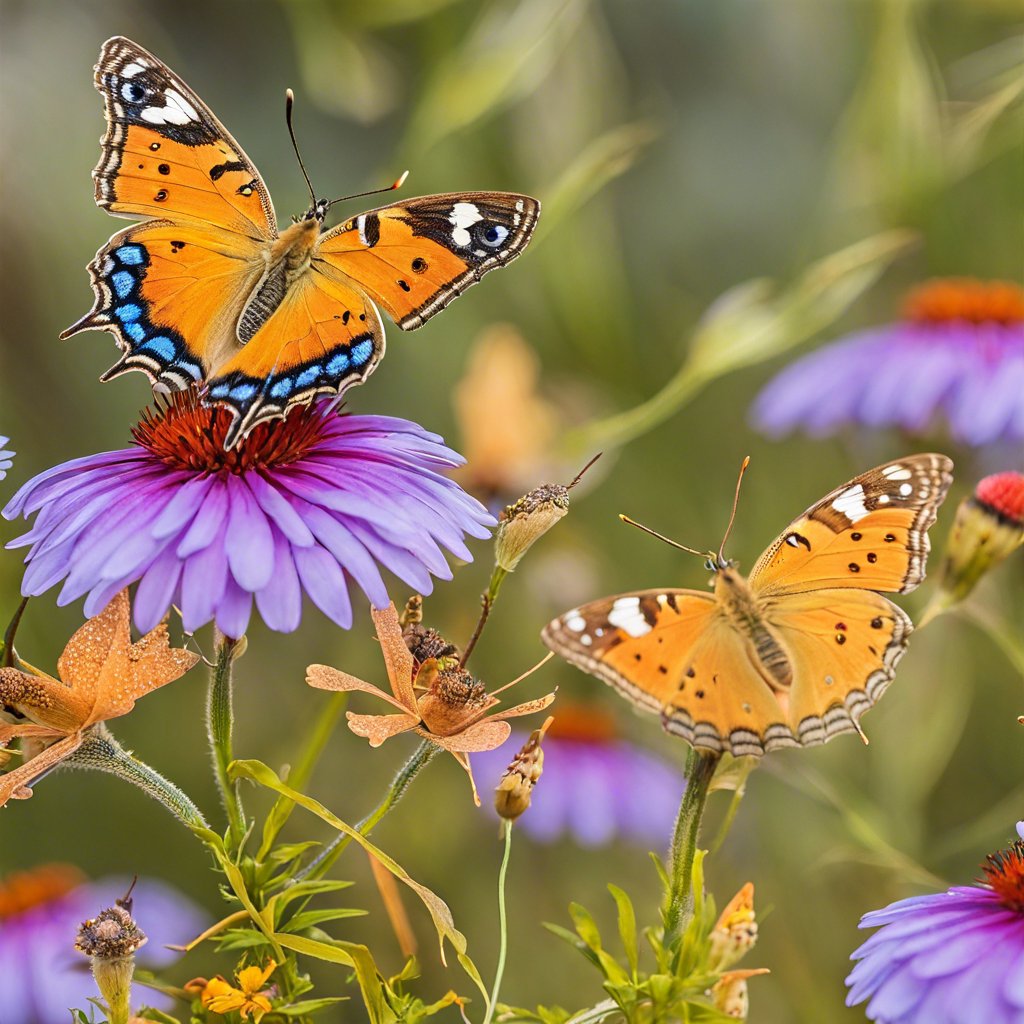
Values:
[(249, 998), (445, 705), (735, 932)]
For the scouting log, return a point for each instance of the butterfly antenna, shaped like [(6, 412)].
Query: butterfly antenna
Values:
[(289, 102), (397, 183), (579, 476), (654, 533), (732, 516)]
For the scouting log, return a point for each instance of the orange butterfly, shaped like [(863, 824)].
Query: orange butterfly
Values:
[(795, 654), (205, 290)]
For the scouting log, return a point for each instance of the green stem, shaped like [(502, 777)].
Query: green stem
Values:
[(8, 642), (730, 815), (487, 599), (420, 758), (101, 752), (700, 767), (502, 925), (219, 723)]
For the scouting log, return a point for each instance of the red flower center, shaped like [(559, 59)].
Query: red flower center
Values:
[(1004, 871), (22, 890), (1003, 492), (964, 298), (187, 435)]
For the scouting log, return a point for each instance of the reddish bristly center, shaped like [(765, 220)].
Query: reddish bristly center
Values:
[(1003, 492), (48, 883), (1004, 871), (582, 723), (965, 299), (187, 435)]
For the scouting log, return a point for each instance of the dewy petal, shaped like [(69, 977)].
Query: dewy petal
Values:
[(323, 677), (397, 656), (485, 735), (378, 728)]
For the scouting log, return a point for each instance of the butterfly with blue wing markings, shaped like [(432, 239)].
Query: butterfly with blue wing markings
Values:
[(792, 655), (206, 292)]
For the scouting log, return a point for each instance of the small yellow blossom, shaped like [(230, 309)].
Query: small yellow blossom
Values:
[(249, 998)]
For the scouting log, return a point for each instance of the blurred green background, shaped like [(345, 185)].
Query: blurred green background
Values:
[(681, 147)]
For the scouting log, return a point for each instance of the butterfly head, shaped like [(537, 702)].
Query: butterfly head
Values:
[(317, 212)]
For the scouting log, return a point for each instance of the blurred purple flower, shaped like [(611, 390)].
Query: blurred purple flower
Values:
[(957, 356), (302, 504), (595, 787), (6, 457), (40, 911), (948, 958)]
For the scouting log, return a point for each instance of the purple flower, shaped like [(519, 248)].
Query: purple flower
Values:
[(304, 504), (958, 357), (6, 457), (595, 787), (40, 911), (948, 958)]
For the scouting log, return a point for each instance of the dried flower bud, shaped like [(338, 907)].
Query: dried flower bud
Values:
[(425, 643), (513, 793), (111, 939), (452, 701), (989, 525), (735, 932), (526, 521)]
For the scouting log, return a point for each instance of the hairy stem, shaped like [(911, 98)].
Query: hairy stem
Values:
[(421, 757), (101, 752), (700, 767), (219, 724), (499, 971)]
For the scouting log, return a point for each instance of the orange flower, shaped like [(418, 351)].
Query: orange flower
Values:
[(735, 932), (249, 998), (102, 674), (445, 705)]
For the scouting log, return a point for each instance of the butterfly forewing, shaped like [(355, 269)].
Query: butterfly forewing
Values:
[(165, 154), (415, 257), (868, 534)]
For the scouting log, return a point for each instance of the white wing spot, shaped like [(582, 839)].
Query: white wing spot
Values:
[(585, 640), (906, 490), (883, 499), (575, 621), (626, 615), (131, 70), (463, 217), (851, 503), (897, 472)]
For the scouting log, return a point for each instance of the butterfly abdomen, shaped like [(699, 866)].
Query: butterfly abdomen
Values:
[(742, 607)]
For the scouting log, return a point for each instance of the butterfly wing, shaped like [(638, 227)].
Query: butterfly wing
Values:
[(843, 646), (674, 652), (869, 534), (324, 337), (171, 294), (415, 257), (164, 153)]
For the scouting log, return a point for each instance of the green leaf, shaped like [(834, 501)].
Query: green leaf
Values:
[(437, 908), (309, 918), (627, 927), (574, 940), (348, 954), (594, 1014), (585, 926), (308, 1006)]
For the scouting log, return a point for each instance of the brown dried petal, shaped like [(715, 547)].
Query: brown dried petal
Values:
[(378, 728)]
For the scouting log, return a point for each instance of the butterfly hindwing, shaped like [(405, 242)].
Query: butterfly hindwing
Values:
[(165, 154), (868, 534), (415, 257)]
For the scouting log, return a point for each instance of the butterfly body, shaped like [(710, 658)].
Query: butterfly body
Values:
[(206, 292), (795, 653)]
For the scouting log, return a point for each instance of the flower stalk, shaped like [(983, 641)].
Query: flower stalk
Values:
[(102, 753), (220, 726), (679, 899), (499, 970)]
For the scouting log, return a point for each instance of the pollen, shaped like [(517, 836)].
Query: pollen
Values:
[(185, 434), (1004, 872), (24, 890), (965, 299)]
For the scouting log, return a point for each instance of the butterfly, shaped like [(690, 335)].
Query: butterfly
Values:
[(206, 292), (792, 655)]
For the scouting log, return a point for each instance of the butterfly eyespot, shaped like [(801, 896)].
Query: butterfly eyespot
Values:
[(164, 168), (876, 623), (160, 196), (404, 285), (840, 639), (872, 557), (856, 536), (419, 265), (133, 92), (853, 567), (829, 680), (888, 538), (691, 672), (154, 146), (491, 234)]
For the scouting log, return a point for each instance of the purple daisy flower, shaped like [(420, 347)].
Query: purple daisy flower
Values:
[(596, 787), (40, 912), (304, 504), (948, 958), (957, 356), (6, 457)]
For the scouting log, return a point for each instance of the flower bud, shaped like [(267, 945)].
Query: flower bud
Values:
[(111, 940), (735, 932), (989, 525), (513, 793), (729, 993), (527, 520)]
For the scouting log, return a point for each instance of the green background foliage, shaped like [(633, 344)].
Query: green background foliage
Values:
[(681, 148)]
